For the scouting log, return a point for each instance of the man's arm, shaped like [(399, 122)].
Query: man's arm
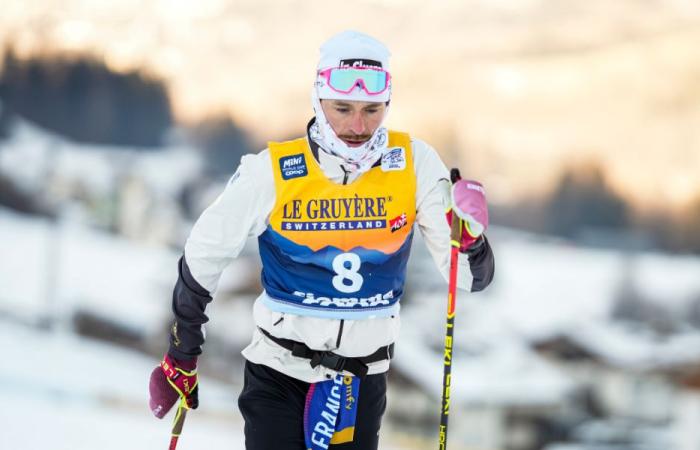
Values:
[(190, 300), (476, 266), (216, 239)]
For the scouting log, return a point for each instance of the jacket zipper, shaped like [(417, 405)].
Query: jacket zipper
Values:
[(347, 174), (340, 333), (342, 321)]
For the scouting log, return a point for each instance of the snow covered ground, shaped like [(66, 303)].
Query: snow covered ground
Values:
[(57, 268), (80, 394), (31, 155), (543, 287), (64, 392)]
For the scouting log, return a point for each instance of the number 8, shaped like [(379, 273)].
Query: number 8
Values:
[(347, 273)]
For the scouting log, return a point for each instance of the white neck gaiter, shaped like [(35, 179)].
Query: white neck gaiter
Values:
[(358, 159)]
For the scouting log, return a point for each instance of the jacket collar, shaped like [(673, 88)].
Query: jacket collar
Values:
[(331, 165)]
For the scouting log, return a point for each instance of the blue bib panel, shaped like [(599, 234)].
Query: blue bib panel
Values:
[(338, 251)]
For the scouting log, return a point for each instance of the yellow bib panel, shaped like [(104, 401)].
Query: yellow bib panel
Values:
[(335, 250)]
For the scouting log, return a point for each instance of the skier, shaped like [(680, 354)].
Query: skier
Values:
[(334, 214)]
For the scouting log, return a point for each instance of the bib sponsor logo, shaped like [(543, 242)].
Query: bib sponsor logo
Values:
[(332, 225), (347, 302), (398, 222), (351, 213), (394, 159), (293, 166)]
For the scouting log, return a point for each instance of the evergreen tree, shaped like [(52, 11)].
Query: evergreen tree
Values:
[(582, 199), (85, 100)]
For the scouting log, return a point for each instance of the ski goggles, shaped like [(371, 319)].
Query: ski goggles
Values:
[(373, 80)]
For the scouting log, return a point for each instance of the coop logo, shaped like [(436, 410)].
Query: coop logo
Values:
[(398, 222), (293, 166), (394, 159)]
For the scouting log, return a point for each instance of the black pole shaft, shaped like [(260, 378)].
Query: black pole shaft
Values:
[(446, 382)]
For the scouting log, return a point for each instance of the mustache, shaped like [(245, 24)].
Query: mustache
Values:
[(355, 137)]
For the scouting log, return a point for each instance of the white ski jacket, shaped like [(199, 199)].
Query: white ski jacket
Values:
[(243, 209)]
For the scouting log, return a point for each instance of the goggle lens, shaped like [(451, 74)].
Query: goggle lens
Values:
[(344, 80)]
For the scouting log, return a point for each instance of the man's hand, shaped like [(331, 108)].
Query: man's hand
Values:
[(171, 380), (469, 204)]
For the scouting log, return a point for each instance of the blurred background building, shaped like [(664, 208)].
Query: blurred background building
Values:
[(121, 121)]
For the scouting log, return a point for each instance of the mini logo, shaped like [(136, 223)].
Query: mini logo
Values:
[(394, 159), (398, 222), (293, 166)]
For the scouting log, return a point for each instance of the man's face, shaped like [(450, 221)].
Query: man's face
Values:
[(353, 122)]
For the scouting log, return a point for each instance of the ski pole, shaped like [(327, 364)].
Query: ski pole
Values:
[(178, 422), (455, 238)]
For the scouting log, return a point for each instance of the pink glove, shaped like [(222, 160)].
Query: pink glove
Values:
[(173, 379), (469, 203)]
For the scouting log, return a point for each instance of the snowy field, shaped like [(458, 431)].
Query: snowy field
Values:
[(62, 392), (65, 392), (544, 287)]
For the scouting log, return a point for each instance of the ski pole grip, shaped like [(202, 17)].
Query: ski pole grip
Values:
[(454, 175)]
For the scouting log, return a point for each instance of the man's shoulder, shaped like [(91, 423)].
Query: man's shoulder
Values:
[(256, 161), (254, 167), (426, 159), (423, 152), (417, 145), (253, 158)]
